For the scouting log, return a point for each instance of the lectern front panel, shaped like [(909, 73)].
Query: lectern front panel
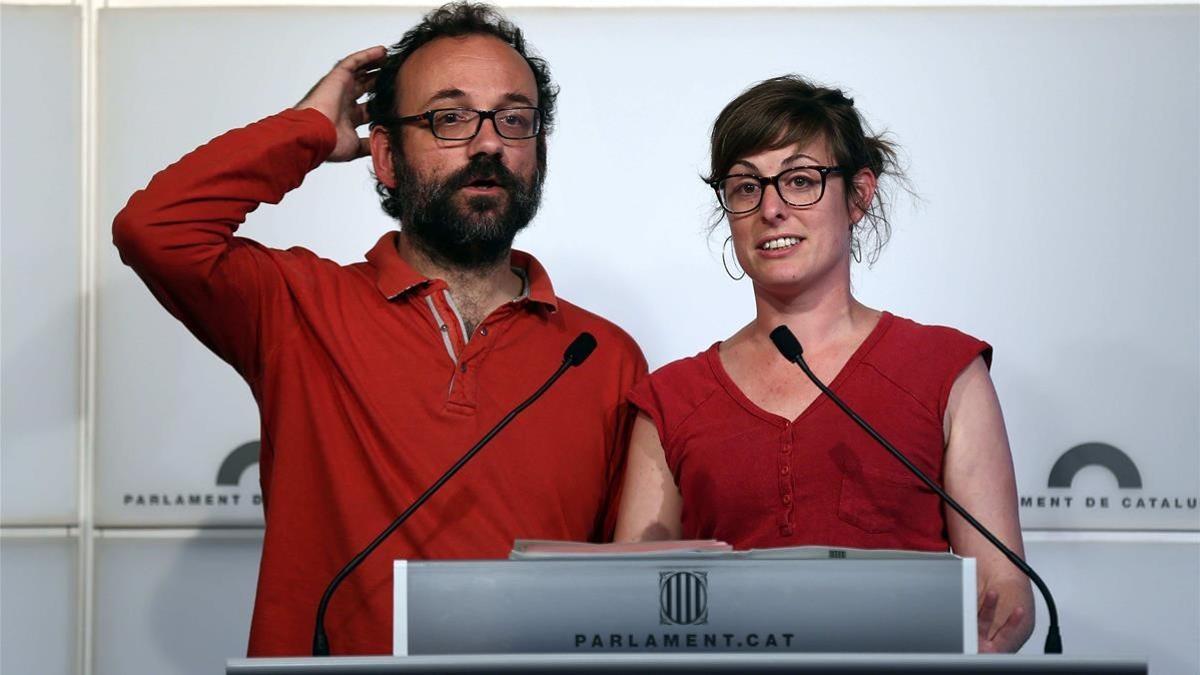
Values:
[(591, 606)]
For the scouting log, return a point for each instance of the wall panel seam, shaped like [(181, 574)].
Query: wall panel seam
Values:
[(89, 57)]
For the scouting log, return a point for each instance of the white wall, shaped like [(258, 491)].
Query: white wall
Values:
[(1054, 151), (40, 303), (39, 279), (39, 602), (1058, 221), (173, 603), (1121, 596)]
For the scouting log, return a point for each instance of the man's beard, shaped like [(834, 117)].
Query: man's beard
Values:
[(465, 233)]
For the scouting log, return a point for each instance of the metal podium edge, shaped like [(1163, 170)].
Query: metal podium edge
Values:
[(679, 663), (400, 608), (970, 614)]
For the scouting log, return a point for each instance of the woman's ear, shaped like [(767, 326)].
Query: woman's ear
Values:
[(862, 193)]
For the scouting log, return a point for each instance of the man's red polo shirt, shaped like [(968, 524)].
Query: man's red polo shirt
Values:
[(369, 389)]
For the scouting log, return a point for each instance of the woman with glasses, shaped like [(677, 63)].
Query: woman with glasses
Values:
[(737, 444)]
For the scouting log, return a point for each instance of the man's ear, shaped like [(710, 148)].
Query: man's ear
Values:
[(381, 156), (863, 185)]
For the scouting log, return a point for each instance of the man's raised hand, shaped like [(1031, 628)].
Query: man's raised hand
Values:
[(336, 97)]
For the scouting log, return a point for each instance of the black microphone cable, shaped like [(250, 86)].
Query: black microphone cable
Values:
[(576, 353), (789, 346)]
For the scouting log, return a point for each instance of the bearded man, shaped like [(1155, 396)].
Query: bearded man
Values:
[(373, 378)]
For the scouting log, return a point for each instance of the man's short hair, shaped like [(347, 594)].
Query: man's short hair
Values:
[(456, 19)]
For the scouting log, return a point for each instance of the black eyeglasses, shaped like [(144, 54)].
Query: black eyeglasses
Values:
[(461, 124), (798, 186)]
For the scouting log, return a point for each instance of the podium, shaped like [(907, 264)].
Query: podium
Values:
[(776, 601), (800, 610)]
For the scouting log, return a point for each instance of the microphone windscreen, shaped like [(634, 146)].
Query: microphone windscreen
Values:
[(786, 343), (579, 349)]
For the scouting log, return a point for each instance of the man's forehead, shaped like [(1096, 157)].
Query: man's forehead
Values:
[(479, 68)]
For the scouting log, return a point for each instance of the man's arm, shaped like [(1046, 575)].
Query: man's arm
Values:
[(979, 474), (177, 233)]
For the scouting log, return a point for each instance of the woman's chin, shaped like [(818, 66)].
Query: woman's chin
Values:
[(782, 282)]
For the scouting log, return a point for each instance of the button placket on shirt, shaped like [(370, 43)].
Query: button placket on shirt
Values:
[(464, 389), (461, 391), (465, 384), (473, 347), (786, 493)]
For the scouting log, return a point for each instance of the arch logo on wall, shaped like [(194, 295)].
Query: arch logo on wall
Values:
[(1130, 492), (227, 488)]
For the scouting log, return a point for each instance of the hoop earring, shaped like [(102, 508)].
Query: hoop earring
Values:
[(726, 264), (855, 250)]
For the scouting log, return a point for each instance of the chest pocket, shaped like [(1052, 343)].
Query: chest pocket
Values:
[(881, 501)]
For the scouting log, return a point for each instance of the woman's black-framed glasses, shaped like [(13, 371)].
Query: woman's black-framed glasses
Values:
[(461, 124), (798, 186)]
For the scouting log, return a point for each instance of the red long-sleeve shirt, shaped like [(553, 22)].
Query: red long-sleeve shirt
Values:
[(368, 389)]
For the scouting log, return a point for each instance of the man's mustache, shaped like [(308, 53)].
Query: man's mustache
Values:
[(484, 168)]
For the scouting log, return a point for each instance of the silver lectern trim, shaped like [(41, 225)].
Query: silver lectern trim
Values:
[(400, 608), (970, 614)]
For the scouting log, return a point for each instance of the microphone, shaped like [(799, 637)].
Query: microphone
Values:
[(789, 346), (579, 349), (576, 353)]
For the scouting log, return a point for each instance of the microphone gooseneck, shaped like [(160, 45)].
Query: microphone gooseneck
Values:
[(576, 353), (790, 348)]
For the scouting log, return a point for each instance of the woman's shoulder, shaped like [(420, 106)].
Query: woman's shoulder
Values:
[(929, 343), (688, 368), (686, 380), (925, 360), (672, 394), (679, 386)]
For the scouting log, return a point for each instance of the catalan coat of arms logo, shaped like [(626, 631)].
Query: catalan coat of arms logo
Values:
[(683, 598)]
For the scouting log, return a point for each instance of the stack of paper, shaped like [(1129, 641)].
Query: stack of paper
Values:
[(530, 549), (524, 549)]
